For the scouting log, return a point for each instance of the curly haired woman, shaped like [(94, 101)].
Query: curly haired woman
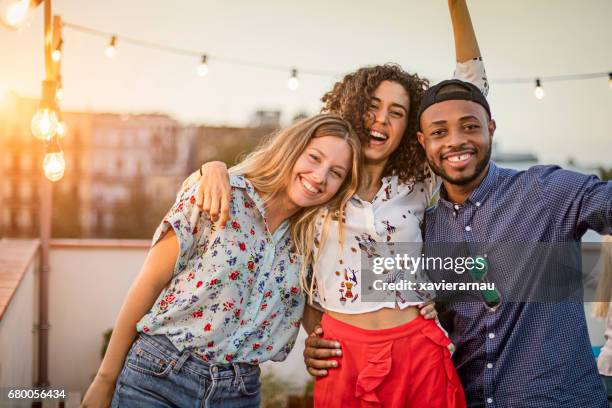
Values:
[(384, 354)]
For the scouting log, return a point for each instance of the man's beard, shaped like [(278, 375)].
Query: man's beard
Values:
[(462, 181)]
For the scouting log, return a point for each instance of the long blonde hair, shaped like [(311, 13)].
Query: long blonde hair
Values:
[(604, 287), (268, 167)]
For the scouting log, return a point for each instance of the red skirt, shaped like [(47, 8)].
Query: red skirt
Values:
[(404, 366)]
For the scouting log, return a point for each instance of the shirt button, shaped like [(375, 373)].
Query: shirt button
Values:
[(215, 369), (489, 365), (491, 335), (489, 400), (478, 204), (468, 228), (456, 207)]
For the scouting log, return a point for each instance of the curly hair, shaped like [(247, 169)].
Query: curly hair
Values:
[(350, 98)]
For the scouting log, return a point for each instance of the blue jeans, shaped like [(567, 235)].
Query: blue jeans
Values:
[(156, 375)]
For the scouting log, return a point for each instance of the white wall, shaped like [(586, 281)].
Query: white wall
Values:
[(86, 290), (18, 345)]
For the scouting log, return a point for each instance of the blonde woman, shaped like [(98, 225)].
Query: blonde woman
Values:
[(210, 305), (603, 309)]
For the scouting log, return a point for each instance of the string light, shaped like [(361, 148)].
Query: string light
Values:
[(54, 163), (318, 72), (61, 126), (14, 13), (44, 123), (539, 91), (293, 82), (56, 55), (111, 50), (203, 67)]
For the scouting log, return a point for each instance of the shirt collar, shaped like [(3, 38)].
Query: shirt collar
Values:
[(388, 190), (242, 182), (480, 193)]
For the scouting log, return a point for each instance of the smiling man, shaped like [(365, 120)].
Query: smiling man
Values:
[(522, 353)]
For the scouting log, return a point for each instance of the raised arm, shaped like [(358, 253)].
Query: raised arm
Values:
[(469, 67), (466, 45)]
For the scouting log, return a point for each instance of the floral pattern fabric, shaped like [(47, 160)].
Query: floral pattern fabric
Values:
[(234, 295)]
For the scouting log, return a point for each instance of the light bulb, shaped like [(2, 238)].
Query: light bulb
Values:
[(54, 165), (14, 13), (203, 67), (62, 129), (56, 55), (44, 124), (293, 83), (111, 50), (539, 91)]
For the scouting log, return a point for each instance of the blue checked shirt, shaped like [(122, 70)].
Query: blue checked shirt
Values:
[(524, 354)]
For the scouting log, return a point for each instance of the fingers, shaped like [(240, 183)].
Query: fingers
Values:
[(224, 216), (200, 196), (316, 373), (428, 310), (323, 365), (225, 200), (214, 205), (206, 203)]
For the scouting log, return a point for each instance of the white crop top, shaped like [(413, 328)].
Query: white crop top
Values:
[(395, 215)]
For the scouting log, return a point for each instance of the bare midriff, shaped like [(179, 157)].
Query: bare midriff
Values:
[(384, 318)]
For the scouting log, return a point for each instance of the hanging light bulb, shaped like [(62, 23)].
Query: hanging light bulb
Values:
[(61, 126), (539, 91), (59, 94), (44, 123), (54, 162), (14, 13), (56, 55), (293, 83), (203, 67), (610, 80), (111, 50)]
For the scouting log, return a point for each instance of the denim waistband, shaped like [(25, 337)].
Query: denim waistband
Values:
[(188, 360)]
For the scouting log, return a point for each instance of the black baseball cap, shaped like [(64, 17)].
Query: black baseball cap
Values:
[(452, 89)]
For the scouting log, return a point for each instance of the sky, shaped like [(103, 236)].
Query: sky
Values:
[(520, 38)]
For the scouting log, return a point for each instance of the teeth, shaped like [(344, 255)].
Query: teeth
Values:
[(309, 187), (459, 158), (377, 135)]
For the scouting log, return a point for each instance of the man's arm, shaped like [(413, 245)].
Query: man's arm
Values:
[(577, 200), (466, 45)]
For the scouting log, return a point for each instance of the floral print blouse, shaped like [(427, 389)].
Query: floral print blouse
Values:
[(234, 295)]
